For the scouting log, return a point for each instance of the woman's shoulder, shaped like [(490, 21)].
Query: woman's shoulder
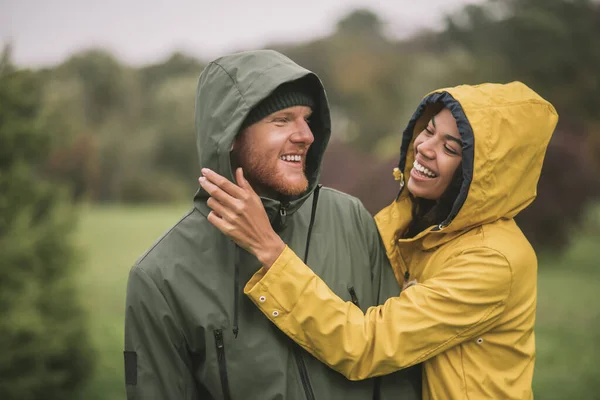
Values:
[(500, 238)]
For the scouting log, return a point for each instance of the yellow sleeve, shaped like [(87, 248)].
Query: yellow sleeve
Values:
[(464, 300)]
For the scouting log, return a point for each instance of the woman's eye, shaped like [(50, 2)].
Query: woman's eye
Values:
[(451, 150), (428, 131)]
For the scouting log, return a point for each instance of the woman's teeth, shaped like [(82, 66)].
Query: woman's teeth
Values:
[(292, 158), (424, 170)]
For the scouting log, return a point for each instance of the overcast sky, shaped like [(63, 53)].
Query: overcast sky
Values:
[(141, 31)]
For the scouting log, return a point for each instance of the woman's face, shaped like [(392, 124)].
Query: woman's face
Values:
[(438, 152)]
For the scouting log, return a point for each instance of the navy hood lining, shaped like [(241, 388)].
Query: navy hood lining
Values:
[(430, 106)]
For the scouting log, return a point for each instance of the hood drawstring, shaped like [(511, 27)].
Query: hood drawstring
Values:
[(236, 276), (312, 220), (236, 289)]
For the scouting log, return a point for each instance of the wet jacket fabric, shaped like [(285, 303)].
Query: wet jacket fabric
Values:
[(470, 317), (190, 333)]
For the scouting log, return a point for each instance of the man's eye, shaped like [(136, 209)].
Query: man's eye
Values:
[(281, 120)]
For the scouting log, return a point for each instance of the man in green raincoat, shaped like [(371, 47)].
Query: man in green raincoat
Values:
[(190, 333)]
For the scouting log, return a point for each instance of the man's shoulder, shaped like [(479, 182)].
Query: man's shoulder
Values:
[(334, 195), (176, 243), (346, 209)]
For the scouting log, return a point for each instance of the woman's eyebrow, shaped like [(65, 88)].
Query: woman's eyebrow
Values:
[(450, 137), (433, 121)]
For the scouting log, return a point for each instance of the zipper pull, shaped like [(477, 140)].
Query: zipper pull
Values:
[(219, 338), (282, 215)]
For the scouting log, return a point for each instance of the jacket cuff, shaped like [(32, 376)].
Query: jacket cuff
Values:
[(277, 291)]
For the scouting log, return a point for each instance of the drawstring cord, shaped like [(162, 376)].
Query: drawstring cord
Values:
[(236, 276)]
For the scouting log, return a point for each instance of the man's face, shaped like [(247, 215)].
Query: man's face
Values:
[(272, 152)]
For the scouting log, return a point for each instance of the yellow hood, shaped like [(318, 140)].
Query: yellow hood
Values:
[(505, 131)]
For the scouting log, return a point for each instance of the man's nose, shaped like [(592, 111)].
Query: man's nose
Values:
[(303, 133)]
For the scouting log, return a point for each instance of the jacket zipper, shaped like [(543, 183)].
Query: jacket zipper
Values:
[(222, 363), (308, 391), (353, 296), (236, 293)]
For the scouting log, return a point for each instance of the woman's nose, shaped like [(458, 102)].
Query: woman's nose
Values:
[(426, 149)]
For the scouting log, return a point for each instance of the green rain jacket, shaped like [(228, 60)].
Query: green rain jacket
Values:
[(190, 333)]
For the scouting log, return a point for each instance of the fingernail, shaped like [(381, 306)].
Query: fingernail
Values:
[(202, 179), (206, 170)]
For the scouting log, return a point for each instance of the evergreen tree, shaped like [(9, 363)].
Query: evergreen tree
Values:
[(45, 353)]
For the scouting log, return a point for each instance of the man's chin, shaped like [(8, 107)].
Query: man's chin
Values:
[(287, 188), (293, 190)]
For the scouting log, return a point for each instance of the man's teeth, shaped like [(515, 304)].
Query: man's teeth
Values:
[(423, 170), (292, 158)]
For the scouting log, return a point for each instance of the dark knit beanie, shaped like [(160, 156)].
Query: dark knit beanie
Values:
[(289, 94)]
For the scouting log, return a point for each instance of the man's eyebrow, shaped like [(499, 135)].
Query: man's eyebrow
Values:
[(454, 139), (290, 114)]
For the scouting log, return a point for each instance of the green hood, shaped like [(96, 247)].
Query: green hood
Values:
[(229, 88)]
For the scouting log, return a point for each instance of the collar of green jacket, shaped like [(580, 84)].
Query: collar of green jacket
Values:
[(228, 89), (505, 129)]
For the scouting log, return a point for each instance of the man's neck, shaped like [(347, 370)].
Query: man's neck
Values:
[(266, 192)]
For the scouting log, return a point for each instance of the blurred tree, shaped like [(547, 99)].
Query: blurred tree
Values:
[(104, 81), (178, 64), (567, 188), (45, 350), (74, 156), (172, 121), (361, 23), (364, 75), (551, 45)]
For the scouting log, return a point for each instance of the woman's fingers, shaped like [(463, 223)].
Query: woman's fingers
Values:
[(220, 210), (223, 183), (230, 225), (241, 180), (219, 222), (215, 191)]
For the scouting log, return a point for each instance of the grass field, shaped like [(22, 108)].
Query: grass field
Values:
[(568, 322)]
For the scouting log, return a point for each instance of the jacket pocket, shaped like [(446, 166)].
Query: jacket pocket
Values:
[(220, 346), (353, 296)]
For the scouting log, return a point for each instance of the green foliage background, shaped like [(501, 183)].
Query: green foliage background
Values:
[(45, 351)]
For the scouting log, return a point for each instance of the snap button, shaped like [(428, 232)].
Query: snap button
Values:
[(275, 313), (479, 341), (262, 299)]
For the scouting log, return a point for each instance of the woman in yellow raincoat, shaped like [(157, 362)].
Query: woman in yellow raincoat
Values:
[(470, 161)]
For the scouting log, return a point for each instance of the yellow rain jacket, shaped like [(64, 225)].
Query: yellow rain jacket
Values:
[(469, 318)]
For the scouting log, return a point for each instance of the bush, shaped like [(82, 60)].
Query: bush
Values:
[(45, 351)]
